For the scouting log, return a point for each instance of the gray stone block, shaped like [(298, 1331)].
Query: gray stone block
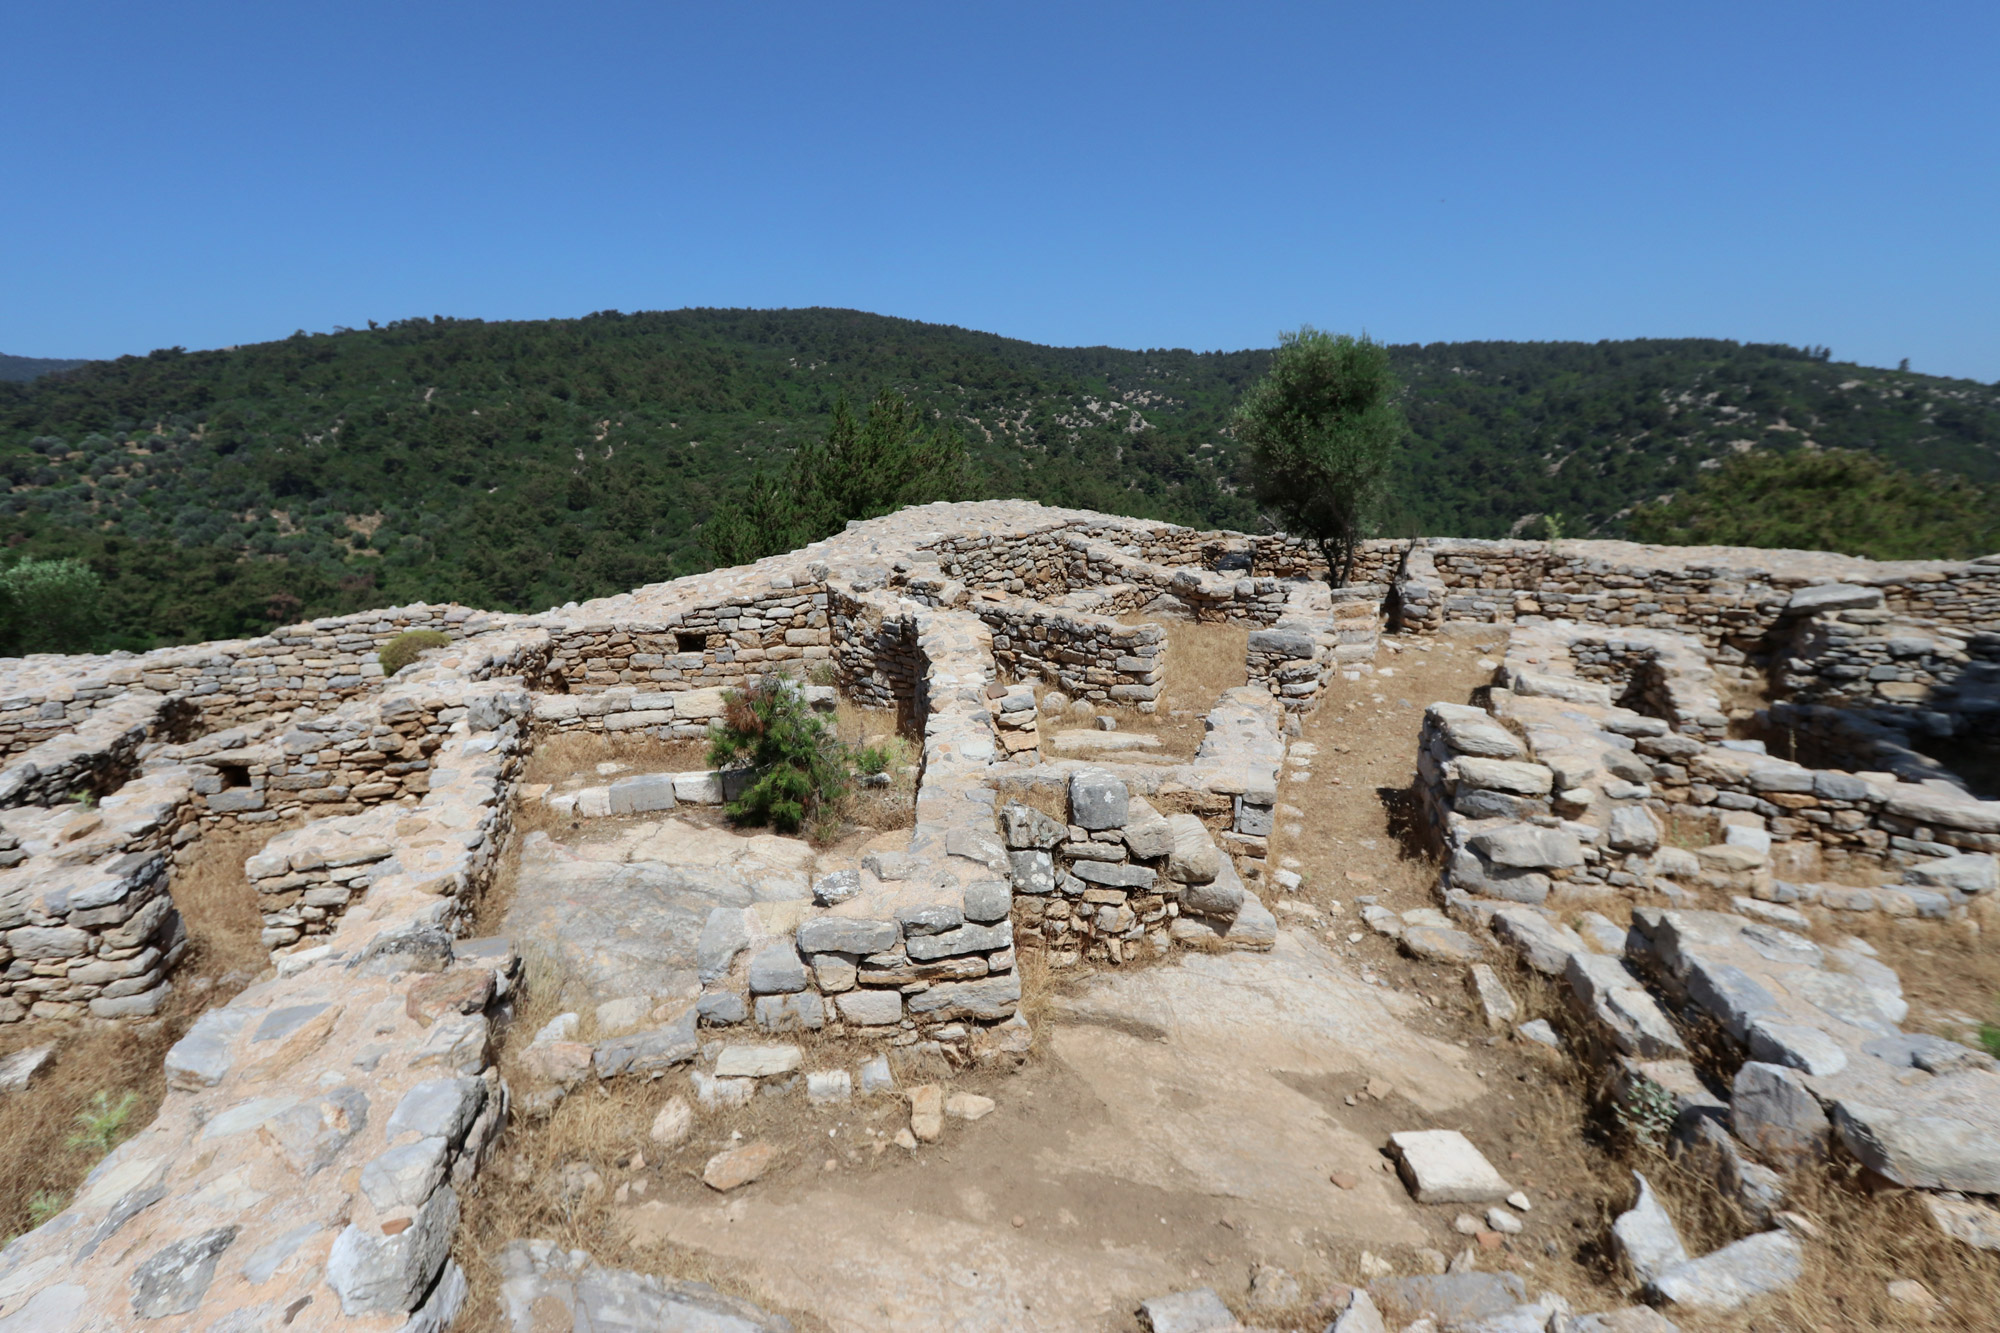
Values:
[(1772, 1110), (989, 998), (803, 1012), (403, 1177), (966, 939), (173, 1281), (1034, 871), (870, 1008), (840, 934), (1725, 1279), (374, 1274), (1646, 1238), (441, 1108), (642, 794), (1026, 828), (777, 969), (837, 887), (1114, 874), (1097, 800), (987, 901), (722, 1008)]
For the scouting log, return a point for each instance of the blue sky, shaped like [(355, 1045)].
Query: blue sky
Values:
[(1138, 175)]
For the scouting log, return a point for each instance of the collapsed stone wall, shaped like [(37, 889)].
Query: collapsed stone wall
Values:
[(920, 946), (318, 664), (97, 757)]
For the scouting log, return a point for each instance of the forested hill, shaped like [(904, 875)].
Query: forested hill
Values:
[(519, 465), (28, 367)]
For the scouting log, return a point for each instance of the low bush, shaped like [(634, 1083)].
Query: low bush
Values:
[(404, 649), (799, 764)]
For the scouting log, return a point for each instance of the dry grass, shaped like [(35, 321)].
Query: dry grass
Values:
[(563, 754), (40, 1166), (1203, 660), (1950, 973)]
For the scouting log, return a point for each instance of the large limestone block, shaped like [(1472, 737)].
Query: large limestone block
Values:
[(1442, 1166), (1725, 1279), (1194, 858), (1528, 847), (1504, 775), (1772, 1110), (1646, 1238)]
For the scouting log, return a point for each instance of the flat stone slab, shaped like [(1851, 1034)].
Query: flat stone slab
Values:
[(1442, 1166), (635, 926), (1197, 1311), (756, 1061)]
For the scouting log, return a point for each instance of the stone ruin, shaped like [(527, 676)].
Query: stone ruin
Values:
[(369, 1045)]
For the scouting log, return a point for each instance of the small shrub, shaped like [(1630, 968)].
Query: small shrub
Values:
[(402, 650), (101, 1124), (872, 759), (1989, 1037), (1647, 1114), (800, 765), (50, 606)]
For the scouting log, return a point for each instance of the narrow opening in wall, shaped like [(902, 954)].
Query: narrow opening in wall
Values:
[(234, 775), (687, 642)]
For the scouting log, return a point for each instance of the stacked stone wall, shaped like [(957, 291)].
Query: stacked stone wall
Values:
[(1088, 657)]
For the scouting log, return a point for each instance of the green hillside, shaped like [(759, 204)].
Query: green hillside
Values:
[(28, 367), (520, 465)]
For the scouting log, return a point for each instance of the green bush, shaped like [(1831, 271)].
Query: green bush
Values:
[(402, 650), (49, 606), (1828, 500), (800, 765)]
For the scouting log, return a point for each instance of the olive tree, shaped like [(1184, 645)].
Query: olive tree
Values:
[(1323, 427)]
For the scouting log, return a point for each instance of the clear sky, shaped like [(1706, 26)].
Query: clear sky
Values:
[(1141, 175)]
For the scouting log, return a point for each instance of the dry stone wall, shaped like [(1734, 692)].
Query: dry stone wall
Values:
[(368, 1048)]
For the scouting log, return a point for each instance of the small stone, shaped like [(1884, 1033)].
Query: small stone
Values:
[(1520, 1202), (672, 1124), (1539, 1032), (20, 1068), (968, 1106), (927, 1112), (829, 1087), (1345, 1181), (1502, 1221), (1465, 1224), (1272, 1288), (734, 1168), (1915, 1298), (577, 1183), (906, 1140)]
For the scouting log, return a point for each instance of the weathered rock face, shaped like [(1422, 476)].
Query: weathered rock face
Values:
[(541, 1283)]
